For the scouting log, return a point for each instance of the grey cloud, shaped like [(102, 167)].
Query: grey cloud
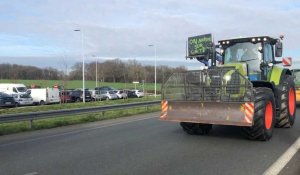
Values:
[(125, 28)]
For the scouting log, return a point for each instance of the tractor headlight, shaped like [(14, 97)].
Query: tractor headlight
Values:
[(227, 77)]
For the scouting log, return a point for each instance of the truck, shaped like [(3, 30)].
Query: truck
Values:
[(12, 88), (44, 96), (243, 85)]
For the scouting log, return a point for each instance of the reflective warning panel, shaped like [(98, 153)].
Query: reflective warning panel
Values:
[(287, 61)]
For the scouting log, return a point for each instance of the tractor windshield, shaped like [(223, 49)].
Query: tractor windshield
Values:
[(242, 52)]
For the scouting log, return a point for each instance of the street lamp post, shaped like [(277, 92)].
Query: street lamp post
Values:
[(152, 45), (96, 69), (82, 54), (96, 72)]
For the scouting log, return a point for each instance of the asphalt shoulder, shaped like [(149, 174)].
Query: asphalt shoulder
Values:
[(32, 135)]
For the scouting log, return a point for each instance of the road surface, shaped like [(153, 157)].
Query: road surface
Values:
[(143, 145)]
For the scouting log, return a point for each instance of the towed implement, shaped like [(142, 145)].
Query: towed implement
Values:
[(245, 89)]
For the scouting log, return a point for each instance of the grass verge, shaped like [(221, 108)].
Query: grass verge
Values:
[(9, 128)]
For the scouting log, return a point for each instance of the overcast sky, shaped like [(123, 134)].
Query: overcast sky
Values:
[(41, 32)]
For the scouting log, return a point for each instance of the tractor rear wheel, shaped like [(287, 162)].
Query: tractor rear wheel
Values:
[(196, 128), (287, 102), (264, 115)]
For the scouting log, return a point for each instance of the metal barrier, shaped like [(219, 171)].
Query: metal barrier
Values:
[(65, 112)]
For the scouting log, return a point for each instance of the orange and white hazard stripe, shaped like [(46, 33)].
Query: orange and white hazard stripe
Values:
[(164, 109), (249, 112)]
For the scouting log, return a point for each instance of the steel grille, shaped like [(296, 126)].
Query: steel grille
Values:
[(224, 84)]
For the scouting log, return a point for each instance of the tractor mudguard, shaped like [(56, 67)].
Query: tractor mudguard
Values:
[(277, 75)]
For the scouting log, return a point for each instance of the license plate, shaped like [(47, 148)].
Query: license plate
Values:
[(7, 103)]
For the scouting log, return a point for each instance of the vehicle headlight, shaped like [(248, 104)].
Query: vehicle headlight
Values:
[(227, 77)]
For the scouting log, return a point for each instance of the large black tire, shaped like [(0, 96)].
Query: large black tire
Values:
[(287, 104), (264, 115), (195, 128)]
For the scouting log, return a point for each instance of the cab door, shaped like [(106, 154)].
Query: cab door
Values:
[(268, 57)]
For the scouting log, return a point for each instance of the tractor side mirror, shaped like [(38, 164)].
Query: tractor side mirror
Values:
[(278, 49), (287, 61)]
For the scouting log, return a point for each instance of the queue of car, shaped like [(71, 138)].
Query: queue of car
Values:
[(15, 95)]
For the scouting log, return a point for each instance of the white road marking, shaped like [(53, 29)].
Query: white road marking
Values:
[(281, 162), (73, 132), (32, 173)]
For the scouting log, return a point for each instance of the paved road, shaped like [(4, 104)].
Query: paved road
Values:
[(142, 145)]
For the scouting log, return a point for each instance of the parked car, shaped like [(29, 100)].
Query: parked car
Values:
[(65, 96), (6, 100), (76, 95), (23, 99), (97, 96), (135, 94), (120, 94), (110, 95)]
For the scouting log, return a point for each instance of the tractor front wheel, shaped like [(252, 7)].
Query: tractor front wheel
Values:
[(287, 102), (196, 128), (264, 115)]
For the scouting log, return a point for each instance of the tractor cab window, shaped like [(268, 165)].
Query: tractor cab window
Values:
[(242, 52), (248, 53), (268, 53)]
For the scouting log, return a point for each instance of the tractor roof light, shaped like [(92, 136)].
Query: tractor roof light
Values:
[(265, 39), (253, 39), (281, 37), (258, 39), (223, 42), (227, 42)]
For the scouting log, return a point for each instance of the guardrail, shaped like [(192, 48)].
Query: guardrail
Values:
[(65, 112)]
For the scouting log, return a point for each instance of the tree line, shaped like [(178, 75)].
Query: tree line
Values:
[(114, 70)]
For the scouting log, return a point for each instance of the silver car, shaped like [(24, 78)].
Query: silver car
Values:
[(97, 95), (23, 99), (120, 94), (111, 95)]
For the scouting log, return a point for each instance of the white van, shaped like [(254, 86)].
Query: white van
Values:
[(11, 88), (44, 95)]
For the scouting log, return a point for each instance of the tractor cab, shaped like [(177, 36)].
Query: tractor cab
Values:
[(257, 53)]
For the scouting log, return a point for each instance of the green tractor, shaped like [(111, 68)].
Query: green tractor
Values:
[(246, 88)]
